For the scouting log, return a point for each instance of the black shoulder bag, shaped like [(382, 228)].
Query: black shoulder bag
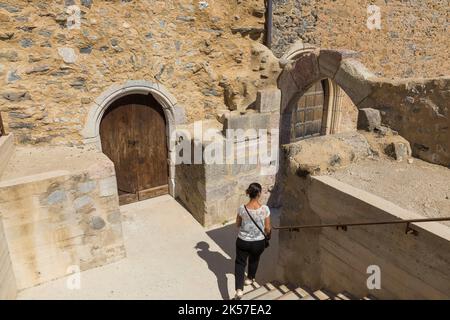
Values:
[(266, 237)]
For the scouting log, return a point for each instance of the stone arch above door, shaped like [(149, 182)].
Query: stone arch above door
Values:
[(304, 65), (174, 114)]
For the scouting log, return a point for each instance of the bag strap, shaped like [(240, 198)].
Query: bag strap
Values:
[(255, 222)]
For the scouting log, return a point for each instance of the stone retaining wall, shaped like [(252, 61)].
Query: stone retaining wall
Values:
[(8, 288), (411, 266), (60, 222)]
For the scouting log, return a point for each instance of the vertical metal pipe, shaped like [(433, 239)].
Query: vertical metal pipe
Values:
[(269, 23)]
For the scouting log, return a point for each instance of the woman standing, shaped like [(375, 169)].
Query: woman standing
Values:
[(253, 221)]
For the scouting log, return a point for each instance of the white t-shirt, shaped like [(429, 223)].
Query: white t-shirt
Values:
[(248, 231)]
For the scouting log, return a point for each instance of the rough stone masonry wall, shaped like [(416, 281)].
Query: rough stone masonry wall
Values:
[(212, 192), (417, 108), (60, 222), (413, 40), (202, 51), (420, 111)]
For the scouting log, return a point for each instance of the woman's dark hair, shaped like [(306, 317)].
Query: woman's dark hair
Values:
[(254, 190)]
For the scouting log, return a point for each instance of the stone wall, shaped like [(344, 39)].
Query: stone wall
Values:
[(212, 192), (207, 54), (62, 221), (349, 116), (8, 288), (412, 41), (412, 267), (417, 108), (225, 159)]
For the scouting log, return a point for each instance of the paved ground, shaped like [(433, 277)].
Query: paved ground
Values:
[(169, 256)]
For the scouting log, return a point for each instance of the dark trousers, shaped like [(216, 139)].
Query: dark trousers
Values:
[(251, 250)]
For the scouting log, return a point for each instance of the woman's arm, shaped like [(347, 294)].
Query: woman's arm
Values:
[(238, 221), (267, 225)]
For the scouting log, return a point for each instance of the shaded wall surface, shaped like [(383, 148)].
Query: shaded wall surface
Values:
[(411, 266)]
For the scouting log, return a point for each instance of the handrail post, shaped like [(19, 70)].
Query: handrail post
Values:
[(410, 230)]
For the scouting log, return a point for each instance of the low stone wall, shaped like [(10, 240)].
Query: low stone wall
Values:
[(213, 192), (59, 222), (8, 288), (412, 267), (6, 150)]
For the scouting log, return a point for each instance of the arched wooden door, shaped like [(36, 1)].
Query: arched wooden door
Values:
[(307, 116), (133, 136)]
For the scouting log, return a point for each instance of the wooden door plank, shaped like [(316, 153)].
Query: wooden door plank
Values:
[(128, 198), (153, 192), (152, 151), (118, 143)]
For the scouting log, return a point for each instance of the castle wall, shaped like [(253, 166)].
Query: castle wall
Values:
[(51, 71), (412, 41)]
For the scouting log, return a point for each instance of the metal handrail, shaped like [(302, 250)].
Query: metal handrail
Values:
[(344, 226)]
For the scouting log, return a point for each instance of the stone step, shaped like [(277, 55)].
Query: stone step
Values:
[(271, 295), (257, 292), (300, 293), (283, 292), (369, 297), (321, 295), (291, 295), (303, 292), (343, 296), (250, 288), (283, 288)]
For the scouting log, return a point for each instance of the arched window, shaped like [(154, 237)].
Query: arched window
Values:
[(308, 114), (323, 109)]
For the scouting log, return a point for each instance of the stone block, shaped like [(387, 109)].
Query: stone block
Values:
[(179, 115), (306, 71), (330, 60), (286, 82), (245, 122), (369, 119), (268, 100), (400, 151), (354, 78), (107, 186)]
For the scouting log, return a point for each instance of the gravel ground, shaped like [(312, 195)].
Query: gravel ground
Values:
[(418, 186)]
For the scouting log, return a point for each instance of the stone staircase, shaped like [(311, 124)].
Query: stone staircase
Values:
[(275, 291)]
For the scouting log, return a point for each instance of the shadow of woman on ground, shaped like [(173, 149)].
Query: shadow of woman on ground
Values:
[(218, 264)]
